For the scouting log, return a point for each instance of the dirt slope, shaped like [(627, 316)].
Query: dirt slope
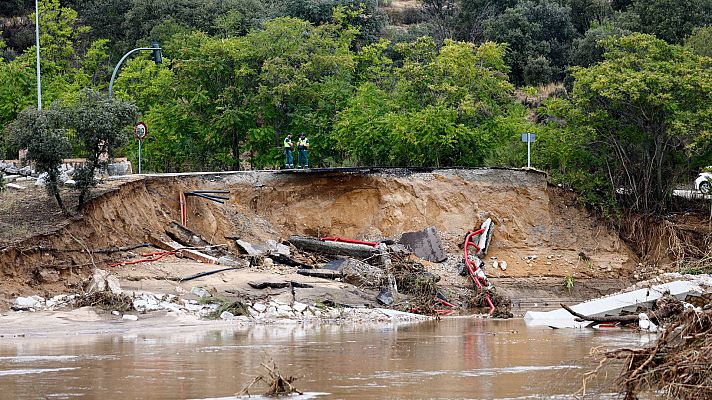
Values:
[(532, 219)]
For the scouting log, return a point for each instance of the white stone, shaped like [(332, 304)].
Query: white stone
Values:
[(503, 265), (284, 308), (113, 283), (115, 313), (129, 317), (268, 262), (495, 264), (260, 307), (26, 302), (227, 315), (299, 307), (200, 292), (70, 182)]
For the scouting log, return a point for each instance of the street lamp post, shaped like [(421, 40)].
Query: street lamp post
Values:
[(157, 58), (37, 45)]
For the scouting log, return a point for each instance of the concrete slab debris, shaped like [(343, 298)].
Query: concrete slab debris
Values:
[(15, 186), (425, 244), (103, 280), (310, 244), (631, 302), (359, 273), (320, 273), (268, 284), (249, 249)]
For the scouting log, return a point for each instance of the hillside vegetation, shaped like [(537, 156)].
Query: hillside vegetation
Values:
[(618, 92)]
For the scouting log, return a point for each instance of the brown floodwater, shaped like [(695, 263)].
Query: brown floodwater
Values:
[(454, 358)]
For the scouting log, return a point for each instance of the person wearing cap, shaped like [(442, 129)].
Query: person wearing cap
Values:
[(303, 148), (289, 159)]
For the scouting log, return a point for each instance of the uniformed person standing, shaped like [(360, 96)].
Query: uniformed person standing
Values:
[(289, 159), (303, 149)]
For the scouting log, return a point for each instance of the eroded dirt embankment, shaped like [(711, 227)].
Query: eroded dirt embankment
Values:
[(533, 220)]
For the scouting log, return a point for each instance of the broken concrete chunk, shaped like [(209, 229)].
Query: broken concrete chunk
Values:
[(299, 307), (268, 284), (200, 292), (320, 273), (425, 244), (333, 248), (259, 307), (359, 273), (14, 186), (335, 265), (26, 303), (278, 248), (248, 248), (229, 262), (486, 237), (385, 297), (130, 317), (103, 280), (227, 315)]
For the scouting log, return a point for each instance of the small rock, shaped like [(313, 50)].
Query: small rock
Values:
[(70, 182), (25, 303), (267, 262), (503, 265), (227, 315), (299, 307), (115, 313), (260, 307), (130, 317), (228, 262), (200, 292), (495, 264), (113, 284)]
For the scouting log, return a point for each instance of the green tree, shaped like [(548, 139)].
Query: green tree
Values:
[(534, 29), (101, 126), (588, 49), (670, 20), (445, 107), (700, 41), (233, 97), (43, 135), (644, 110)]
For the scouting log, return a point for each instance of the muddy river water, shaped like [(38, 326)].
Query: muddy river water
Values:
[(454, 358)]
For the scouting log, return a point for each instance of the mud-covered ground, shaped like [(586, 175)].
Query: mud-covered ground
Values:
[(539, 232)]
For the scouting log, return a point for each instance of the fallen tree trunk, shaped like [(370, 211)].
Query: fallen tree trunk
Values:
[(665, 310), (333, 248)]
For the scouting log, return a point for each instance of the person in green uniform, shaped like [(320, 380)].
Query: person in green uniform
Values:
[(289, 159), (303, 149)]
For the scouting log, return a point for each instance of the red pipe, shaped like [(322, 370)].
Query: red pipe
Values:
[(155, 256), (472, 269), (345, 240)]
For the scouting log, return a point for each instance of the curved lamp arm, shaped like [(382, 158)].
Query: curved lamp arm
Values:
[(116, 69)]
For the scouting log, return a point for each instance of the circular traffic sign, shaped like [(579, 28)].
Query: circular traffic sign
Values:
[(140, 130)]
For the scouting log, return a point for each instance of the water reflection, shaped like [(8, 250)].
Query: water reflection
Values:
[(457, 358)]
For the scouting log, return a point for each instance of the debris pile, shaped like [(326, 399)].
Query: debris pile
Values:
[(276, 384), (676, 366)]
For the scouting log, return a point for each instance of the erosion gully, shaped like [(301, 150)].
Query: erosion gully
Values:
[(452, 358)]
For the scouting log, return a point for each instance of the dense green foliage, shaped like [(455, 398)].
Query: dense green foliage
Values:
[(41, 133), (100, 126), (636, 118), (454, 83)]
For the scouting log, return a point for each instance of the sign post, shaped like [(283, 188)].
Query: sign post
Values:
[(529, 137), (140, 132)]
